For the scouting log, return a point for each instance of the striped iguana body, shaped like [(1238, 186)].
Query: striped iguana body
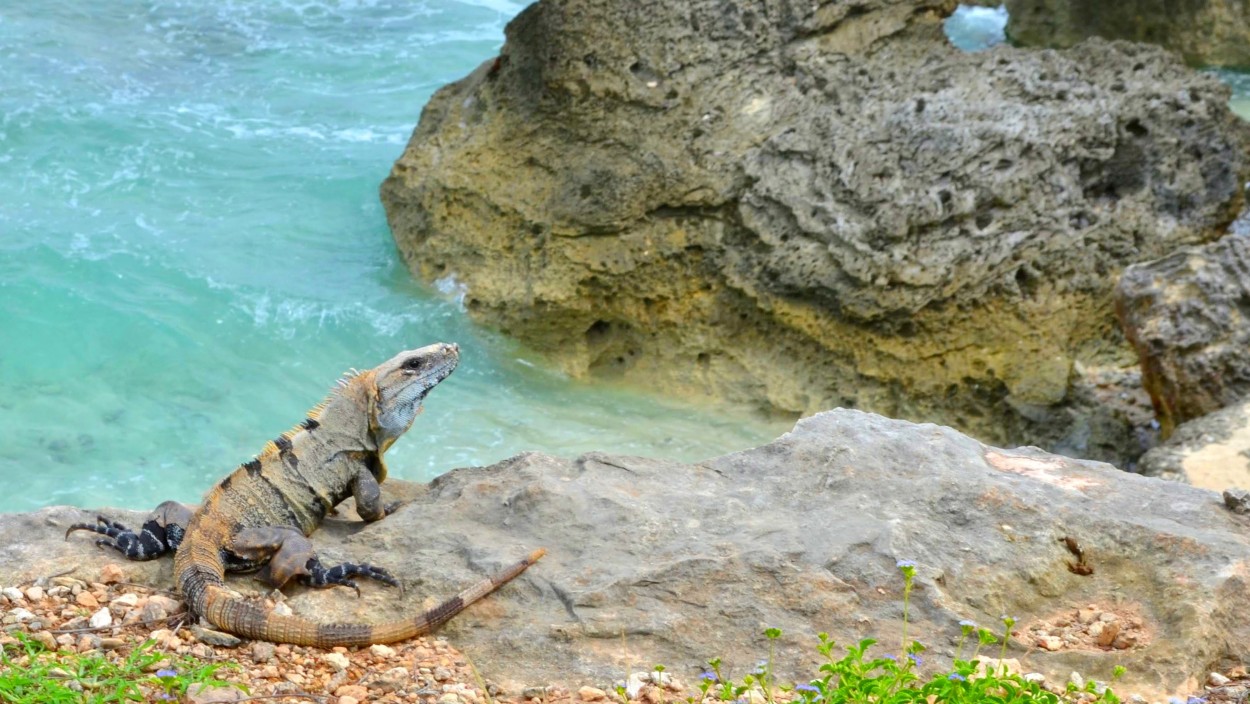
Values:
[(261, 514)]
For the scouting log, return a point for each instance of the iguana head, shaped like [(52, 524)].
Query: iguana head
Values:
[(401, 384)]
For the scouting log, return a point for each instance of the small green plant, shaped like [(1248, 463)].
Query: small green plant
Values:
[(32, 674), (854, 676)]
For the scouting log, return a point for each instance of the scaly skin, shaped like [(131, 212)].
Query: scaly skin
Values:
[(261, 514)]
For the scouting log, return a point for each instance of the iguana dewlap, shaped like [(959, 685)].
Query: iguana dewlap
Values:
[(260, 515)]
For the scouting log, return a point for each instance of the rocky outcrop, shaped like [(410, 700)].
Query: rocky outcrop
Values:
[(1204, 32), (1188, 315), (652, 561), (1212, 452), (805, 206)]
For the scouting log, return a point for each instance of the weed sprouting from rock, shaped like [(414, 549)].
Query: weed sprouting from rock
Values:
[(856, 676)]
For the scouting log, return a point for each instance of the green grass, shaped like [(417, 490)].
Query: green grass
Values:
[(32, 674), (856, 676)]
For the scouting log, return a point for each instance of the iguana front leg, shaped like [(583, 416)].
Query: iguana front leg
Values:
[(290, 556), (161, 533), (368, 493)]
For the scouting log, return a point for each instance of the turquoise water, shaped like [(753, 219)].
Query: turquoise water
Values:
[(192, 249)]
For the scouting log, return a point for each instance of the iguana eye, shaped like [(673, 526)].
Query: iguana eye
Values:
[(413, 363)]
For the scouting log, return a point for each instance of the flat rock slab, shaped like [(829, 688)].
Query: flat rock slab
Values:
[(651, 561)]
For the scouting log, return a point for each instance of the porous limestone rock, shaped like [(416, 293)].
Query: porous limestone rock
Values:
[(653, 561), (1188, 315), (802, 206), (1204, 32)]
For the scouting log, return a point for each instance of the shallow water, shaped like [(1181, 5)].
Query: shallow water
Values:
[(192, 249)]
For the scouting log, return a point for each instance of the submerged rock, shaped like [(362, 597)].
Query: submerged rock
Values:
[(1205, 32), (802, 207), (652, 561)]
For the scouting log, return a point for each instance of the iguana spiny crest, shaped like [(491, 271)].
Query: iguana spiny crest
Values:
[(260, 515)]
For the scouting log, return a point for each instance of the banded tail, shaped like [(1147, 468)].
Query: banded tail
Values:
[(204, 588)]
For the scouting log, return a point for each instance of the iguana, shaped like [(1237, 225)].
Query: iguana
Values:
[(261, 514)]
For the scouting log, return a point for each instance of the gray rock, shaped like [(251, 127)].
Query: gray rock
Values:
[(1186, 314), (1212, 452), (211, 637), (1237, 500), (652, 561), (1206, 33), (801, 206)]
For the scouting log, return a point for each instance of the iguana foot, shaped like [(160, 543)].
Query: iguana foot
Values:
[(148, 544), (161, 533), (290, 556), (321, 577)]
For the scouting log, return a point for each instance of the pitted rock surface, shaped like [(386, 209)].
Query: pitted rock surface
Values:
[(1204, 32), (800, 206), (1188, 315)]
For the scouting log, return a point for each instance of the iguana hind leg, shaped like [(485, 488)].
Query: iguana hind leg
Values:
[(161, 533), (291, 556)]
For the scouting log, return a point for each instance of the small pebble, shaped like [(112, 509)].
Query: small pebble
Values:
[(13, 594), (112, 574), (1215, 679), (382, 651), (261, 652), (111, 643), (101, 618), (1050, 643), (354, 691), (128, 600), (171, 606), (449, 698), (21, 615), (35, 593), (442, 674), (203, 694), (88, 642), (46, 639), (348, 700), (87, 599), (338, 661), (1108, 634), (591, 694), (218, 638)]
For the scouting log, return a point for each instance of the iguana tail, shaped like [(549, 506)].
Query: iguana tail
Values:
[(201, 579)]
